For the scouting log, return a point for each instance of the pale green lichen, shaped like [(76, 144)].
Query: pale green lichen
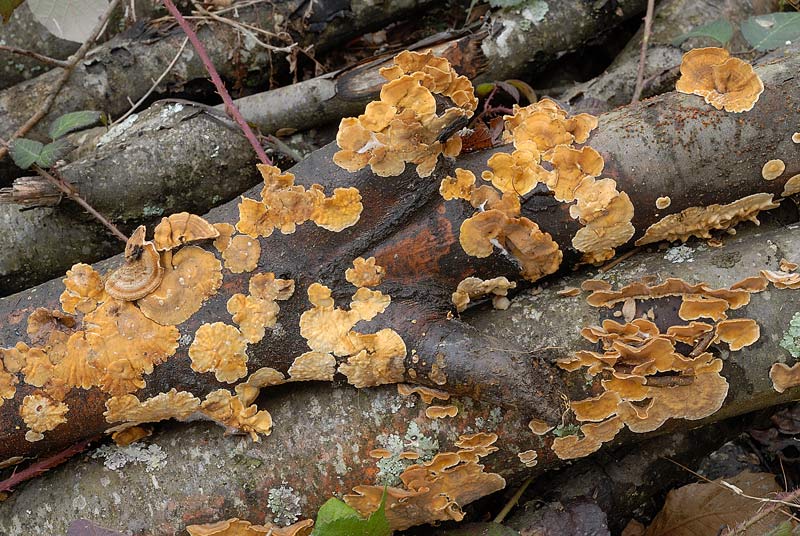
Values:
[(285, 505), (390, 468), (116, 457), (566, 430), (791, 339)]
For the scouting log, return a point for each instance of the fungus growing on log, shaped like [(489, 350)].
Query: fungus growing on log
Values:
[(403, 126), (518, 172), (253, 315), (593, 437), (194, 275), (180, 228), (285, 205), (440, 412), (738, 332), (539, 427), (571, 167), (8, 382), (663, 202), (700, 221), (221, 349), (364, 273), (426, 394), (130, 411), (312, 366), (528, 458), (784, 377), (142, 272), (433, 491), (238, 527), (791, 186), (462, 186), (223, 240), (228, 410), (473, 288), (83, 289), (698, 306), (41, 414), (242, 254), (773, 169), (724, 82)]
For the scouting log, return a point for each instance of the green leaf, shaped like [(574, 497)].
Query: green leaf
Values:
[(25, 152), (7, 7), (53, 152), (768, 32), (720, 30), (337, 518), (74, 121)]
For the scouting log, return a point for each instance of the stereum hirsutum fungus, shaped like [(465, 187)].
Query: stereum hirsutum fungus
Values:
[(405, 125), (723, 81)]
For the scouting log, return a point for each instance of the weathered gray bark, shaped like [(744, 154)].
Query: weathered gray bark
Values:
[(516, 42), (25, 32), (322, 433), (672, 18), (123, 69), (171, 158)]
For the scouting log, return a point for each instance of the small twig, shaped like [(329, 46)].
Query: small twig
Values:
[(72, 193), (613, 262), (41, 466), (513, 501), (648, 22), (47, 60), (292, 153), (230, 107), (72, 62), (155, 84)]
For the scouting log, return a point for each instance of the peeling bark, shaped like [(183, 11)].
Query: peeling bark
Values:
[(323, 433), (660, 146), (168, 159), (672, 19)]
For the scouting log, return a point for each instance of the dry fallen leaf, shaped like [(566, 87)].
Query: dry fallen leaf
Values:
[(707, 508)]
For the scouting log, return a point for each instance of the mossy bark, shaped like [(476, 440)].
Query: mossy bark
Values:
[(662, 146)]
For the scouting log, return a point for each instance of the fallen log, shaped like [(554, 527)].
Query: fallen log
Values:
[(192, 473), (409, 230)]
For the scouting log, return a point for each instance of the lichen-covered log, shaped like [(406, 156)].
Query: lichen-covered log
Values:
[(123, 69), (193, 474), (659, 148), (672, 19), (167, 159), (516, 42)]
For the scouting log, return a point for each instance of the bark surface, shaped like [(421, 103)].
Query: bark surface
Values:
[(322, 435), (168, 159), (653, 148)]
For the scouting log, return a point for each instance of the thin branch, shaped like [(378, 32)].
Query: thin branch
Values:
[(71, 192), (47, 60), (230, 107), (648, 22), (155, 84), (513, 500), (72, 62), (46, 464)]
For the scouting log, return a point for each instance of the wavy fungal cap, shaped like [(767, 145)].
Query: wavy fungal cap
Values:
[(142, 272), (403, 126), (724, 82), (238, 527), (773, 169), (180, 228)]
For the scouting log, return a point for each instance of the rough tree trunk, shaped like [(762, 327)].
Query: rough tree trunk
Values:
[(323, 433)]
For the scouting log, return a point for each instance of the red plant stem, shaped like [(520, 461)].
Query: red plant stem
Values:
[(230, 107), (41, 466)]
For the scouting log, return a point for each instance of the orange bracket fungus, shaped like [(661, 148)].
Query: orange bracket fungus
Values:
[(284, 205), (242, 254), (142, 272), (180, 228), (41, 414), (221, 349), (773, 169), (435, 490), (364, 273), (403, 126), (784, 377), (238, 527), (723, 81)]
